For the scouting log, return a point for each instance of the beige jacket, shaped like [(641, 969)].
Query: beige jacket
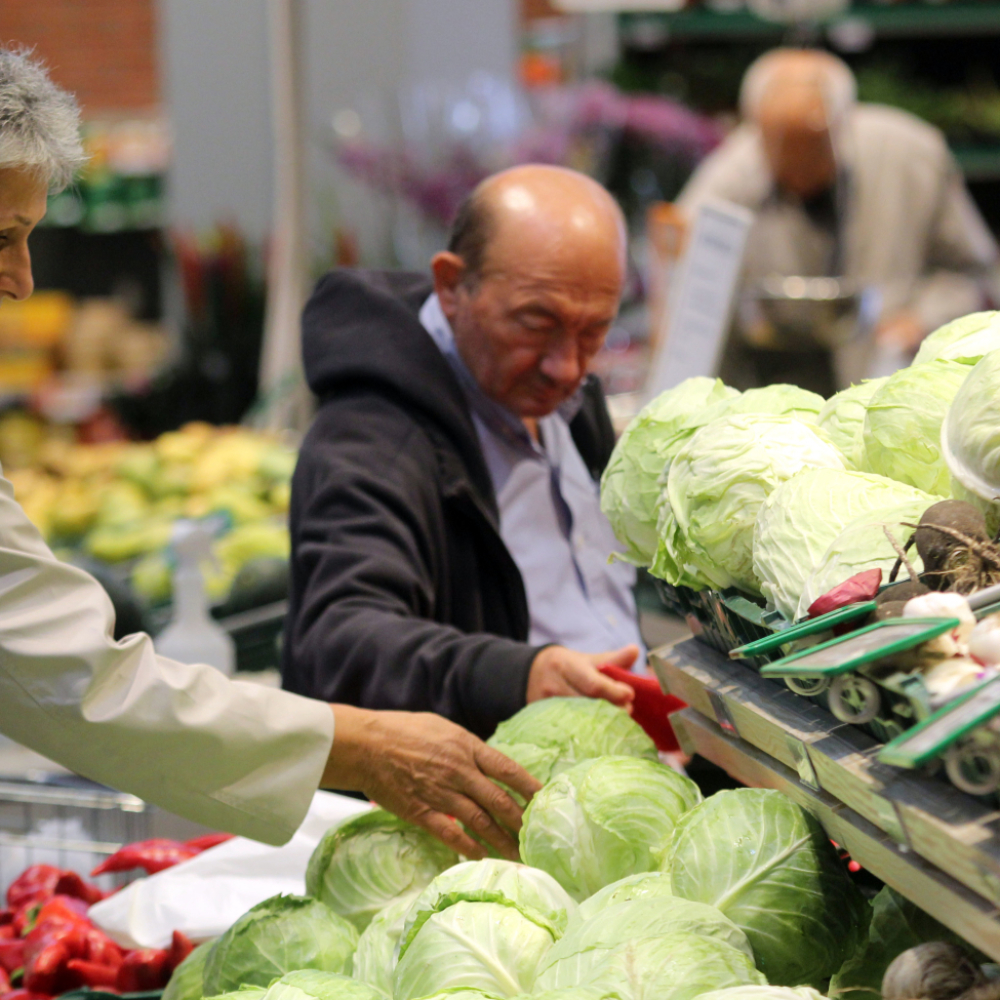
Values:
[(231, 755), (910, 228)]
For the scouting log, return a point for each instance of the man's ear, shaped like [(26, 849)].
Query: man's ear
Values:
[(448, 270)]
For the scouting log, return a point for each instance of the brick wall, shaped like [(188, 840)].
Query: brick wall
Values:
[(104, 51)]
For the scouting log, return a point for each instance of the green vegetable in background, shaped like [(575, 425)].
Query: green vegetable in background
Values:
[(376, 952), (645, 885), (965, 339), (575, 729), (188, 980), (801, 519), (604, 819), (574, 958), (842, 419), (462, 993), (903, 425), (769, 866), (630, 486), (310, 984), (370, 859), (244, 993), (715, 488), (279, 935), (764, 993)]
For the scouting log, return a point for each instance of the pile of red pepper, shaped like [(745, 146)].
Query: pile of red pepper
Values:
[(48, 946)]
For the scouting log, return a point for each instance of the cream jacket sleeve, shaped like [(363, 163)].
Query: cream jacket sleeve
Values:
[(231, 755)]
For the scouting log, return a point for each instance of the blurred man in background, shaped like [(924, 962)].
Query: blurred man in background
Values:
[(842, 189)]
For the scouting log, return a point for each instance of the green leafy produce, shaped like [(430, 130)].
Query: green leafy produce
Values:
[(188, 979), (630, 487), (311, 984), (376, 952), (842, 419), (896, 925), (462, 993), (672, 967), (645, 885), (535, 893), (493, 947), (863, 545), (801, 519), (965, 339), (573, 993), (604, 819), (280, 935), (764, 993), (903, 425), (370, 859), (768, 865), (243, 993), (539, 762), (574, 957), (715, 488), (576, 729)]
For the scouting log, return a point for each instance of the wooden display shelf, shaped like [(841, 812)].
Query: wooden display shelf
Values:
[(758, 728)]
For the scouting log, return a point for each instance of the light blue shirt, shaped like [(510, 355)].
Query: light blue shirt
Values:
[(550, 518)]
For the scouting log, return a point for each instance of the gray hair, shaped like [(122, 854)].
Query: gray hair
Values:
[(39, 122), (834, 77)]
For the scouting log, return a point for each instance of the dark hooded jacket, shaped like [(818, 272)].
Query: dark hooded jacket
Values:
[(403, 595)]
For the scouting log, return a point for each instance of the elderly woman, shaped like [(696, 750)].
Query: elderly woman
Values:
[(231, 755)]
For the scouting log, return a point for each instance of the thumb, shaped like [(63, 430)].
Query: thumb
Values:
[(622, 658)]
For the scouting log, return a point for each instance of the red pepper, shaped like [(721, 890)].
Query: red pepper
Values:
[(142, 970), (151, 855), (204, 842), (12, 955), (180, 947), (70, 884), (7, 932), (34, 884), (62, 910), (101, 949), (6, 917), (860, 587), (5, 986), (24, 995), (93, 974)]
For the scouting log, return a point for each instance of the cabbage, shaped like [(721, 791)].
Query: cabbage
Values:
[(863, 545), (764, 993), (493, 947), (243, 993), (280, 935), (965, 339), (672, 967), (188, 979), (539, 762), (604, 819), (717, 483), (779, 400), (903, 425), (842, 419), (645, 885), (801, 519), (531, 890), (575, 957), (630, 486), (768, 865), (376, 952), (369, 859), (462, 993), (311, 984), (576, 729)]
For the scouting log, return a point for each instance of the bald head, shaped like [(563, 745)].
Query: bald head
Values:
[(530, 282)]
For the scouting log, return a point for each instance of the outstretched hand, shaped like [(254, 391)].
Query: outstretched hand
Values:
[(560, 672), (430, 772)]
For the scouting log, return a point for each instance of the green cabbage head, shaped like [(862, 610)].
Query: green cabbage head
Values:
[(462, 993), (715, 488), (280, 935), (864, 545), (903, 425), (311, 984), (577, 830), (574, 958), (188, 980), (369, 859), (645, 885), (842, 419), (769, 866), (764, 993), (549, 736), (965, 339), (376, 952), (801, 519), (243, 993), (630, 486)]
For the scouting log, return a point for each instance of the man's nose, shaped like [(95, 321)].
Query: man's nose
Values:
[(562, 362), (15, 275)]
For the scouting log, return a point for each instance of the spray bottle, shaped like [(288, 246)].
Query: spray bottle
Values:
[(193, 636)]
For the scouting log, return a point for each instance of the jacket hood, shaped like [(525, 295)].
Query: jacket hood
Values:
[(361, 329)]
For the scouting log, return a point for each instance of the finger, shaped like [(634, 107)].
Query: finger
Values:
[(499, 767), (479, 822), (450, 834), (591, 683), (623, 658)]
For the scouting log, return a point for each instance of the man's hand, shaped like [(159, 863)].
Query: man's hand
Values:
[(431, 772), (903, 330), (560, 672)]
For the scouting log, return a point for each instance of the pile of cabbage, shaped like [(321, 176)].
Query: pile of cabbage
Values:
[(632, 886), (783, 495)]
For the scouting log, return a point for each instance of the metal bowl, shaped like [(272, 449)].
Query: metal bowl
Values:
[(792, 312)]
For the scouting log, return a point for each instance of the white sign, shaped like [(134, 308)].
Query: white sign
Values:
[(702, 298)]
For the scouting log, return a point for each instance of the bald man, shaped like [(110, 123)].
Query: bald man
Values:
[(845, 189), (448, 550)]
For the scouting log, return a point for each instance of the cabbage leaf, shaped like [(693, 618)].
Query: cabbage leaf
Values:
[(965, 339), (842, 420)]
